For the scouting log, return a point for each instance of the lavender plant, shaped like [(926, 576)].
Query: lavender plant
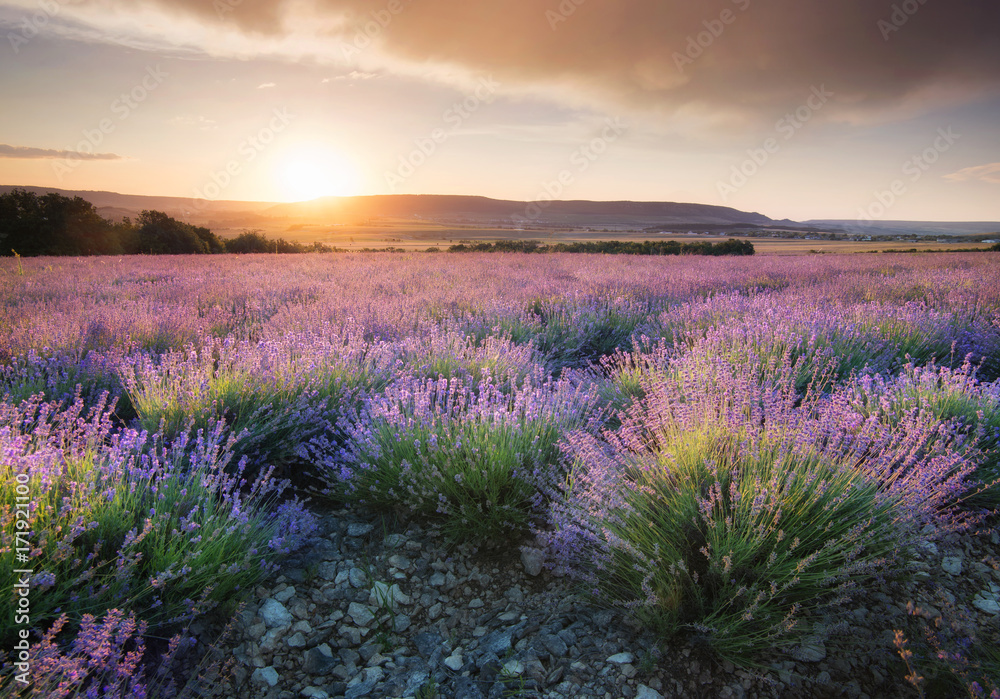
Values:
[(720, 507), (126, 519), (472, 453)]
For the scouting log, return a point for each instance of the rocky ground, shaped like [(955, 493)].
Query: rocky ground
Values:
[(376, 610)]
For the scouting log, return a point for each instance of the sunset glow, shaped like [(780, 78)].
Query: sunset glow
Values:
[(800, 110)]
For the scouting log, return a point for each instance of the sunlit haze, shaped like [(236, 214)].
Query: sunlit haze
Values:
[(796, 109)]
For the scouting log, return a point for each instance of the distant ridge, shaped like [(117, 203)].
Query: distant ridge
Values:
[(480, 209), (444, 208)]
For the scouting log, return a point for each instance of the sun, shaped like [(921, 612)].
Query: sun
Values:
[(310, 172)]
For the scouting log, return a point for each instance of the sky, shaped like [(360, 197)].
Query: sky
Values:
[(800, 109)]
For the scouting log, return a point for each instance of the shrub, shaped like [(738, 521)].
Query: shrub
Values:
[(947, 395), (722, 507), (128, 521), (474, 454)]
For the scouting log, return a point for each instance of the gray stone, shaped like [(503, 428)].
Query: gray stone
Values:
[(265, 675), (952, 565), (387, 596), (454, 662), (476, 604), (512, 668), (467, 688), (284, 595), (359, 529), (318, 661), (427, 643), (400, 623), (357, 577), (296, 640), (644, 692), (812, 650), (497, 642), (361, 615), (532, 560), (987, 605), (314, 693), (274, 614), (554, 645), (326, 571), (621, 658), (401, 562)]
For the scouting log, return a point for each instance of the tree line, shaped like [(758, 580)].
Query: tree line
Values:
[(51, 224), (615, 247)]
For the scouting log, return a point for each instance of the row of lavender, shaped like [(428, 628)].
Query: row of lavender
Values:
[(723, 446)]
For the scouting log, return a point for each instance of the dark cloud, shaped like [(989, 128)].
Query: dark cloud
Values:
[(28, 153), (745, 55)]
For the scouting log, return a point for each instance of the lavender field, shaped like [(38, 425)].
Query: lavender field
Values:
[(729, 450)]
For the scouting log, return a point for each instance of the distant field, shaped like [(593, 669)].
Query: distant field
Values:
[(411, 235)]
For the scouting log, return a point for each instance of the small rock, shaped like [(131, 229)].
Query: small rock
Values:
[(497, 642), (400, 623), (644, 692), (476, 604), (532, 560), (314, 693), (987, 605), (284, 595), (296, 640), (621, 658), (401, 562), (823, 678), (359, 529), (952, 565), (326, 571), (265, 675), (318, 661), (361, 615), (512, 668), (274, 614), (454, 662), (357, 577), (387, 596)]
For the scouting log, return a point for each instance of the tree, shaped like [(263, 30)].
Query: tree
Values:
[(159, 234), (54, 225)]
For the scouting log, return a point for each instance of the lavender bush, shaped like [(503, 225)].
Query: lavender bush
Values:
[(725, 507), (473, 453)]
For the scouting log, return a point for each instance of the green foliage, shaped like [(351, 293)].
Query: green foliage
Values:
[(615, 247), (52, 224), (159, 234), (738, 544), (250, 242)]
